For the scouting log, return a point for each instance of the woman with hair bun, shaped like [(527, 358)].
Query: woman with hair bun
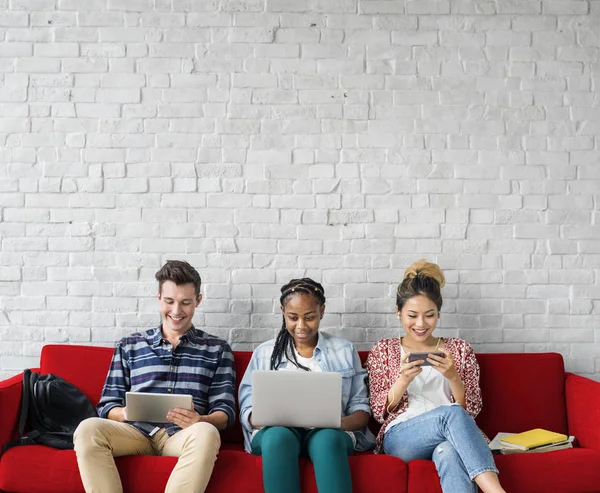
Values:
[(300, 346), (427, 405)]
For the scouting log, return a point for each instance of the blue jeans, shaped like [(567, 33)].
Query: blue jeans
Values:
[(449, 437)]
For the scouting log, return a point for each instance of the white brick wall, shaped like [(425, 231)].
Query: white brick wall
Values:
[(264, 140)]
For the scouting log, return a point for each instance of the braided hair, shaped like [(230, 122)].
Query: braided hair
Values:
[(284, 343)]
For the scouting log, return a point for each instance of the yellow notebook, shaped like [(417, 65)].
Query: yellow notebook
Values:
[(533, 438)]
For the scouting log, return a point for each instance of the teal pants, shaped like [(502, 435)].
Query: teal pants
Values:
[(327, 448)]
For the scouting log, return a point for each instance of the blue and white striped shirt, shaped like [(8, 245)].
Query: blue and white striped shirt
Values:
[(200, 365)]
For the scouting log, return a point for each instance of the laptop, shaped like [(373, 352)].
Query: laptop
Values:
[(153, 408), (304, 399)]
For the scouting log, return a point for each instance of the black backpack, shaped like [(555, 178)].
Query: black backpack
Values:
[(51, 409)]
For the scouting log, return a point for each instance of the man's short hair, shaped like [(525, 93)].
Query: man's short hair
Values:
[(180, 272)]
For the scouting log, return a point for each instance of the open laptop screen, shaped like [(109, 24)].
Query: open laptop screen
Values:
[(296, 398)]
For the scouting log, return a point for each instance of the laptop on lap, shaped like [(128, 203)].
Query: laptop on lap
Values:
[(303, 399)]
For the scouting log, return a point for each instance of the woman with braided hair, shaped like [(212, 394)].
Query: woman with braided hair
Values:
[(427, 411), (300, 346)]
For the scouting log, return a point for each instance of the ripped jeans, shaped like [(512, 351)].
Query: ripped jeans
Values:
[(449, 437)]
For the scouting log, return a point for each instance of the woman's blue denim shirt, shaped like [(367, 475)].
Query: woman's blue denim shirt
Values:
[(332, 354)]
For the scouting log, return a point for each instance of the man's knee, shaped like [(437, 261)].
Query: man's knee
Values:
[(205, 434), (88, 428), (85, 433)]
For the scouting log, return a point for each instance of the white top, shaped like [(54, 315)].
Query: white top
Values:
[(428, 390), (309, 363)]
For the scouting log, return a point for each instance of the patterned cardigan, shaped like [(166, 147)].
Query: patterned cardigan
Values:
[(383, 367)]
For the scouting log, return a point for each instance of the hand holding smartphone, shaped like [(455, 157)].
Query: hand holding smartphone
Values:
[(423, 356)]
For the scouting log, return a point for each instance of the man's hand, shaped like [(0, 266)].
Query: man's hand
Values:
[(183, 417), (117, 414)]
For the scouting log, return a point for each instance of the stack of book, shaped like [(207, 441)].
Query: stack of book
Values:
[(532, 441)]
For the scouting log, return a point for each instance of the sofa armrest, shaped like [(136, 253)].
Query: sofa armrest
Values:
[(583, 410)]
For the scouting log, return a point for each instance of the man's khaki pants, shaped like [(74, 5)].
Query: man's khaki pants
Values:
[(98, 440)]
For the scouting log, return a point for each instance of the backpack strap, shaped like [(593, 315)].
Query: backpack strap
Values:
[(24, 401), (22, 440)]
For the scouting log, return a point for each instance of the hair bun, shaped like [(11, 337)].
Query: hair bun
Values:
[(424, 268)]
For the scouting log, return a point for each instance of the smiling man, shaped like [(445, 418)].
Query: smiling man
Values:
[(174, 358)]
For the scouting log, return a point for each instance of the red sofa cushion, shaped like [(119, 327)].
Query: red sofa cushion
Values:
[(38, 469), (84, 366), (234, 434), (234, 471), (370, 474), (563, 471), (521, 392)]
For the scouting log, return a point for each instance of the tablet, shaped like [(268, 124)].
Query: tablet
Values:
[(153, 408), (304, 399)]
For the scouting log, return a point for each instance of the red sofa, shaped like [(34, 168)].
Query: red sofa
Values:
[(520, 391)]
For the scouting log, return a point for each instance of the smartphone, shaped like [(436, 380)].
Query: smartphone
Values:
[(423, 356)]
